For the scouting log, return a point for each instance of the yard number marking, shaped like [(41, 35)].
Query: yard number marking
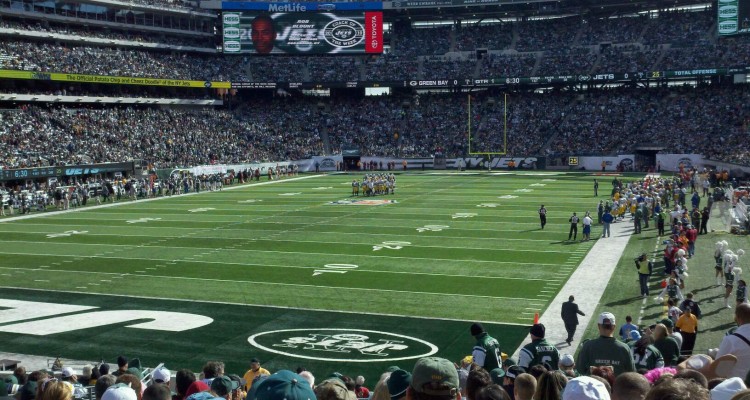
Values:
[(137, 221), (524, 190), (249, 201), (65, 234), (390, 245), (203, 209), (432, 228), (538, 184), (507, 196), (488, 205), (464, 215), (335, 269)]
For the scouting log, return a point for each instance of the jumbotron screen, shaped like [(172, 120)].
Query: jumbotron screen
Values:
[(733, 17), (302, 33)]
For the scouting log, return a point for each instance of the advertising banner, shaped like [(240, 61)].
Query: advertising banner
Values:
[(115, 80), (302, 33)]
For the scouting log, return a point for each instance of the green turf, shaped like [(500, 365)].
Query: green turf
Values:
[(258, 246)]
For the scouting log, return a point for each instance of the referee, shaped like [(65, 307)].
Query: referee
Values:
[(543, 216), (573, 227)]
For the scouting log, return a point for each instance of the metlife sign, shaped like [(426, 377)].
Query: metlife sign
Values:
[(301, 7), (733, 17)]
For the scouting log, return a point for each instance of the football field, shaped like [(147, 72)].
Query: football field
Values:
[(295, 272)]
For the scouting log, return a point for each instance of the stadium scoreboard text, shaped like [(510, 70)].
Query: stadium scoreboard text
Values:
[(733, 17), (503, 81), (291, 31)]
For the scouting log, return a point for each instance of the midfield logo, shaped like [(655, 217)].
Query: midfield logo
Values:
[(350, 345)]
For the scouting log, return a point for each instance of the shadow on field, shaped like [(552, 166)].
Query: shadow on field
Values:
[(624, 301), (724, 327), (566, 242)]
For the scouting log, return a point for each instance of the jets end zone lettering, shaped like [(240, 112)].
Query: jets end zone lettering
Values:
[(54, 322), (498, 162), (342, 345)]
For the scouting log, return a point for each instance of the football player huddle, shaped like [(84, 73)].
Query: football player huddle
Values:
[(374, 184)]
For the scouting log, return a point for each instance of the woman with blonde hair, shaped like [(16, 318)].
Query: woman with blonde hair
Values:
[(380, 392), (52, 389)]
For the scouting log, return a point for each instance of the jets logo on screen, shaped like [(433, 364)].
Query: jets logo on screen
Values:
[(344, 33)]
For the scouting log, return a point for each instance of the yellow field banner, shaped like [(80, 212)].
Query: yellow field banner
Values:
[(113, 80)]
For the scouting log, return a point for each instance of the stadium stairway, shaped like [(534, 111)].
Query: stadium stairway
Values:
[(514, 40), (597, 266)]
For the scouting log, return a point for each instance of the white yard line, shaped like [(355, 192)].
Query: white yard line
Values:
[(597, 267)]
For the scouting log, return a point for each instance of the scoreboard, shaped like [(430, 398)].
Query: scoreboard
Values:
[(260, 32), (733, 17)]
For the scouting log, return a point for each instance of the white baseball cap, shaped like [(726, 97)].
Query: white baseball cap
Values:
[(67, 372), (583, 388), (161, 375), (119, 391), (567, 360), (606, 318)]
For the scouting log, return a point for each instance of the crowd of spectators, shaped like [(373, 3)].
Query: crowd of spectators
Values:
[(567, 46), (47, 27), (711, 121), (32, 135)]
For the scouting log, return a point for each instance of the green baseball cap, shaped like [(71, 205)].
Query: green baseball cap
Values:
[(284, 385), (497, 376), (667, 322), (435, 376)]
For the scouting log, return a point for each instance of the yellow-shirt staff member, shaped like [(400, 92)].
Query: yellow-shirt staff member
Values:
[(254, 372), (688, 326)]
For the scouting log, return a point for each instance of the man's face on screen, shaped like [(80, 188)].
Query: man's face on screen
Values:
[(263, 36)]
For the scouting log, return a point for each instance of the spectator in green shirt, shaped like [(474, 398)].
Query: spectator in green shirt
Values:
[(605, 350)]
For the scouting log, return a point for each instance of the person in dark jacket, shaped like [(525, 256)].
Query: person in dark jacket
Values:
[(569, 314)]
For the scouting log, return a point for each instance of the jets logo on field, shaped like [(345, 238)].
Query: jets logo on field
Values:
[(362, 202), (342, 345)]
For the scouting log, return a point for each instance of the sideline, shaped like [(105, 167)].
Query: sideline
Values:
[(598, 266), (96, 207)]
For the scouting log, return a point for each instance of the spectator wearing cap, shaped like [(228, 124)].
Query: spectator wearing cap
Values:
[(605, 350), (524, 387), (727, 389), (122, 366), (630, 386), (669, 324), (309, 377), (397, 383), (223, 386), (120, 391), (486, 352), (510, 378), (434, 378), (254, 371), (334, 389), (68, 375), (539, 351), (360, 389), (133, 381), (585, 388), (569, 314), (284, 385), (161, 375), (738, 343), (567, 365), (102, 384)]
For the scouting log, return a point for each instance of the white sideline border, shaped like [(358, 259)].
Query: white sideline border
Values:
[(598, 266), (96, 207)]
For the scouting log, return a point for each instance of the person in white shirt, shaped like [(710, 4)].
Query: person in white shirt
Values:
[(738, 343), (587, 221)]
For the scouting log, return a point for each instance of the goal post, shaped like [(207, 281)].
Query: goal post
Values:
[(491, 136)]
